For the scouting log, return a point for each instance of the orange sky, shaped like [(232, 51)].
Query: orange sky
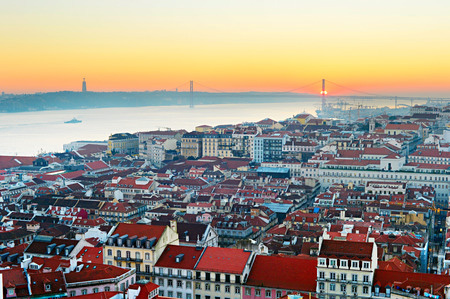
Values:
[(396, 47)]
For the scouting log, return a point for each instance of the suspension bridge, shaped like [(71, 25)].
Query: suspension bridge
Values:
[(338, 95)]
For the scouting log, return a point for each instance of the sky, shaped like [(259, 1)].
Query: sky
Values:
[(398, 47)]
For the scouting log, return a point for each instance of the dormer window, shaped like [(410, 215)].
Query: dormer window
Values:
[(322, 262), (48, 287), (366, 265), (332, 263), (343, 263)]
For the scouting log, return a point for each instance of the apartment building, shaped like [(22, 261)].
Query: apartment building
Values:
[(138, 246), (221, 272), (191, 145), (346, 268), (174, 271)]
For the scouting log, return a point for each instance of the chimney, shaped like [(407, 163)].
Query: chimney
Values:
[(173, 225)]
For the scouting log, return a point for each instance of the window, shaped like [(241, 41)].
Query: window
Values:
[(72, 293), (119, 253), (208, 276), (161, 293), (161, 282), (217, 276), (354, 289), (322, 262), (188, 285), (83, 292), (179, 295), (110, 263), (237, 290), (237, 279), (138, 255), (170, 272), (365, 290), (109, 252), (188, 296), (322, 274), (179, 284), (248, 291), (343, 276), (355, 277), (217, 287), (147, 268), (344, 263), (198, 286), (227, 289), (179, 273), (207, 286), (258, 292), (198, 297), (278, 294), (268, 293), (332, 263), (366, 265), (332, 287), (107, 289), (147, 256), (170, 293), (366, 278), (321, 286), (169, 282), (343, 288), (333, 276), (355, 264)]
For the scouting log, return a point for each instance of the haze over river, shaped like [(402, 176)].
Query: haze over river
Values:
[(29, 133)]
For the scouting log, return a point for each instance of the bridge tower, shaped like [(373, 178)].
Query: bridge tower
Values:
[(191, 94), (323, 92)]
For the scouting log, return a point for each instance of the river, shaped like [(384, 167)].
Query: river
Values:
[(29, 133)]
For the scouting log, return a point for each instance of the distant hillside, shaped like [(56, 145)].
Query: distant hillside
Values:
[(79, 100)]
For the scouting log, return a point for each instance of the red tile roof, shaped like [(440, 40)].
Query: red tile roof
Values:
[(15, 161), (139, 230), (96, 165), (168, 257), (91, 255), (414, 280), (54, 279), (394, 264), (224, 260), (348, 249), (405, 127), (91, 271), (145, 289), (283, 272)]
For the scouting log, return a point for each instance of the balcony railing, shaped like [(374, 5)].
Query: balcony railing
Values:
[(128, 259)]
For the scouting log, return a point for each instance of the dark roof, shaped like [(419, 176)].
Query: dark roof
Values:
[(347, 249), (190, 257), (283, 272), (224, 260), (40, 247)]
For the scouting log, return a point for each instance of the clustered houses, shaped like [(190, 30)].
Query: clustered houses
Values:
[(255, 210)]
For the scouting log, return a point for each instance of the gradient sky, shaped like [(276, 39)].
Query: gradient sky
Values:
[(385, 46)]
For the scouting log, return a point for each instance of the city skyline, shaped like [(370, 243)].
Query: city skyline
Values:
[(385, 47)]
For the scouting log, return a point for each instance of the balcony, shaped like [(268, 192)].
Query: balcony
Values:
[(142, 273), (128, 259)]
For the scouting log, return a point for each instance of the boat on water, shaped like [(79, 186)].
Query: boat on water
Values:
[(73, 121)]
